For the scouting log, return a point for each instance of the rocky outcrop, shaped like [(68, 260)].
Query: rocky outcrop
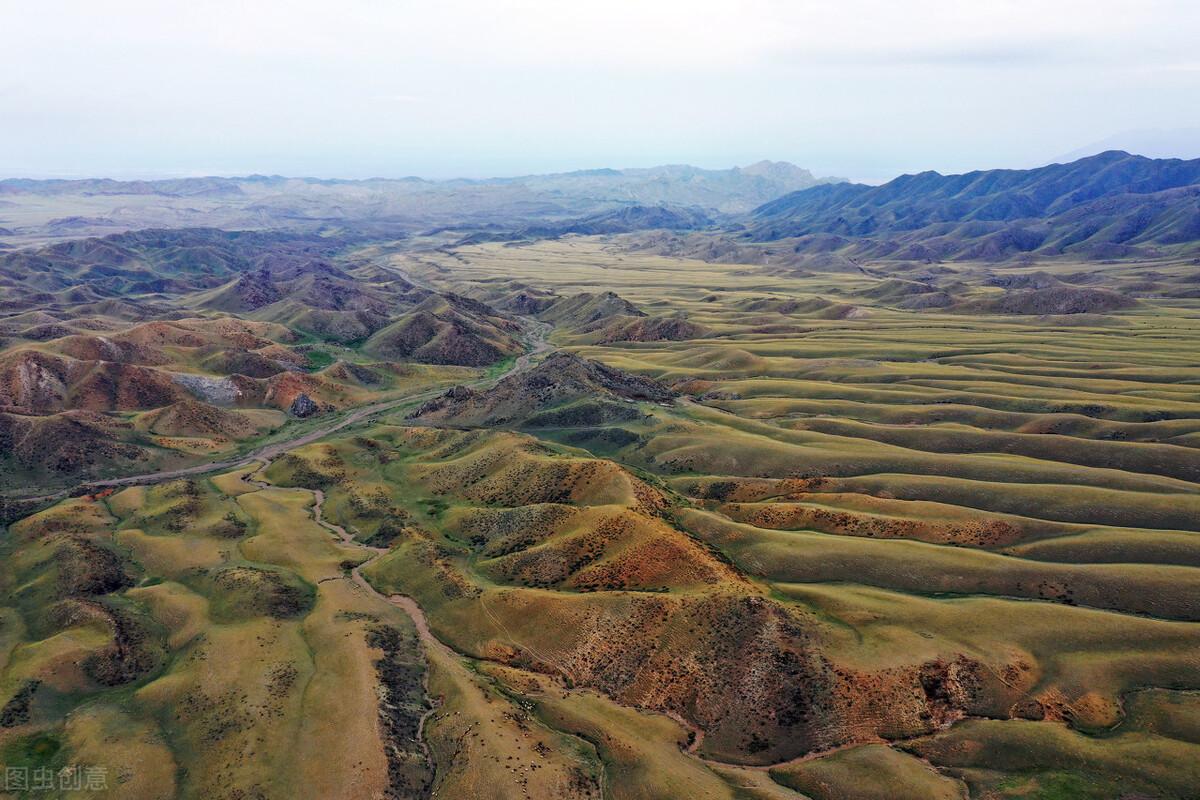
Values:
[(304, 406)]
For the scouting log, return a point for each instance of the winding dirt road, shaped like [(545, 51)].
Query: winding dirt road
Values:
[(535, 342), (405, 603)]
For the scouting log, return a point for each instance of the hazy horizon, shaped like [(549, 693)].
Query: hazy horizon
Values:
[(196, 174), (864, 90)]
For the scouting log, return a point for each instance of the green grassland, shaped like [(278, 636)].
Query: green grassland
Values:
[(201, 644), (1019, 490), (867, 553)]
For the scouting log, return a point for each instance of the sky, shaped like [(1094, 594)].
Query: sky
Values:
[(865, 89)]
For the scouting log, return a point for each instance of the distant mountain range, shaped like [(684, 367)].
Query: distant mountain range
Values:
[(671, 183), (1108, 205), (730, 191), (93, 207)]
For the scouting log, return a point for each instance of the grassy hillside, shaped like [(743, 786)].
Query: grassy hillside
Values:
[(836, 543)]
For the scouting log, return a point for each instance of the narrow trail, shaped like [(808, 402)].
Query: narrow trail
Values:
[(403, 602), (429, 642), (513, 641)]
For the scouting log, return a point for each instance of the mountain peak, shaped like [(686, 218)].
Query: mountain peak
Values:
[(776, 170)]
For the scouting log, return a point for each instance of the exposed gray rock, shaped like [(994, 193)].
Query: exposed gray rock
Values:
[(303, 406), (218, 391)]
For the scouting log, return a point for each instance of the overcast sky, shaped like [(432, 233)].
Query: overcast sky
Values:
[(860, 88)]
